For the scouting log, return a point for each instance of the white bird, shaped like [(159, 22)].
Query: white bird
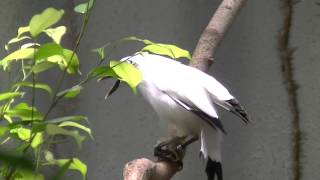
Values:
[(185, 97)]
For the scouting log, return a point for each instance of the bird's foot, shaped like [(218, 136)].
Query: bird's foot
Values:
[(173, 149), (170, 150)]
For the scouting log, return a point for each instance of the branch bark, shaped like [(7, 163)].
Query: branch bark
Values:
[(145, 169)]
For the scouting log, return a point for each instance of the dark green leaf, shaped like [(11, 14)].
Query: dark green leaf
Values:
[(47, 50), (167, 50), (13, 159), (71, 92), (42, 21), (101, 72), (42, 66)]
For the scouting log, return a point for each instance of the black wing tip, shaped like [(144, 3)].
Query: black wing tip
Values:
[(238, 110), (214, 169)]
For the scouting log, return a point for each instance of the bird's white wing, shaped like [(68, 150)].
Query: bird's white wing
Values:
[(174, 81), (219, 94)]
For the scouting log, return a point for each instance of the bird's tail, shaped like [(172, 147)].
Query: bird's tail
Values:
[(214, 169), (211, 153)]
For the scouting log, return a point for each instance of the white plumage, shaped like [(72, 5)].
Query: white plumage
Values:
[(184, 97)]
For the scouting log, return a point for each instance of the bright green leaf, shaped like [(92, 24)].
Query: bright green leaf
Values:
[(42, 21), (167, 50), (18, 39), (9, 95), (127, 73), (36, 85), (25, 134), (74, 64), (71, 92), (76, 125), (52, 129), (24, 112), (47, 50), (82, 8), (67, 118), (56, 33), (23, 30), (26, 53)]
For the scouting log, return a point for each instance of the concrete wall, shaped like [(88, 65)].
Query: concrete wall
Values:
[(247, 63)]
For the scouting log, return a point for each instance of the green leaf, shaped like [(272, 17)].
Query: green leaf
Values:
[(42, 66), (101, 72), (36, 85), (100, 52), (28, 175), (9, 95), (74, 64), (76, 125), (48, 50), (52, 129), (133, 38), (25, 134), (56, 33), (23, 30), (42, 21), (167, 50), (67, 118), (127, 73), (18, 39), (26, 53), (82, 8), (71, 92), (71, 164), (13, 159), (24, 112)]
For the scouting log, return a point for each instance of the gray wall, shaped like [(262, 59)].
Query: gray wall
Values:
[(247, 63)]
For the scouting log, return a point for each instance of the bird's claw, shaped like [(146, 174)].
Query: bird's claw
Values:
[(171, 150)]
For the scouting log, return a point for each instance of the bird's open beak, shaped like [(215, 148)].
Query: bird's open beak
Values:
[(113, 89)]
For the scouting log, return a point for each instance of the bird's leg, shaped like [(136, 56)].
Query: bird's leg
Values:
[(173, 149)]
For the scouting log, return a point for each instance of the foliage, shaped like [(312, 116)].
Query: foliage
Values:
[(26, 132)]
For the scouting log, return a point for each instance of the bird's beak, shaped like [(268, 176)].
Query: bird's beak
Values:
[(113, 89)]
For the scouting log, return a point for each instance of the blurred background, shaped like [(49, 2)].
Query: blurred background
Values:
[(247, 62)]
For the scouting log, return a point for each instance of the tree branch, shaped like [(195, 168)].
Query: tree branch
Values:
[(145, 169), (213, 34)]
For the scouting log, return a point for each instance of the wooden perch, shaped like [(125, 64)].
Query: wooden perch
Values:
[(145, 169)]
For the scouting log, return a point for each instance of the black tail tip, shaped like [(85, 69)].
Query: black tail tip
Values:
[(214, 169)]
